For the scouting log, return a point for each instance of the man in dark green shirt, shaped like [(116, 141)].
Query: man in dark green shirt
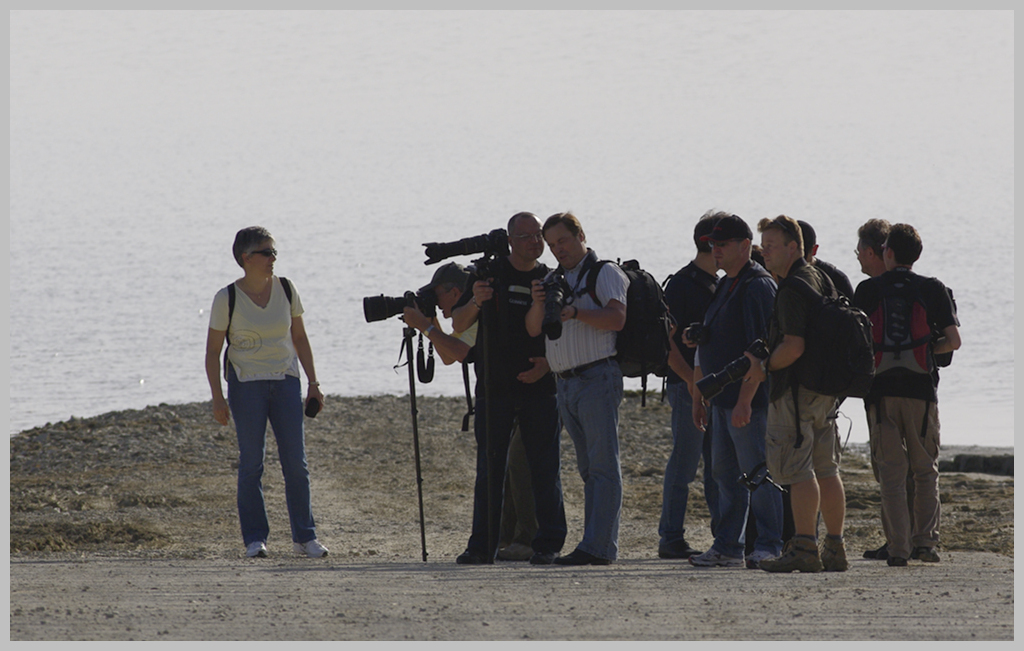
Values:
[(802, 447)]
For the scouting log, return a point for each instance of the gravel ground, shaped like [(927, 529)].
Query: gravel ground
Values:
[(124, 527)]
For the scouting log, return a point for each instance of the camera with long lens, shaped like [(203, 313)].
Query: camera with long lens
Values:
[(378, 308), (711, 385), (494, 243), (557, 295), (698, 333)]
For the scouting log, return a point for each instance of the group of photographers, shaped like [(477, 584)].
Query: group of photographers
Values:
[(569, 378)]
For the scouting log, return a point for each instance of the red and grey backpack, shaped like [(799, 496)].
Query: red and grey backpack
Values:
[(900, 329)]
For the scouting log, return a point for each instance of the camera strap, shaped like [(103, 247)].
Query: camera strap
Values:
[(425, 364), (469, 396)]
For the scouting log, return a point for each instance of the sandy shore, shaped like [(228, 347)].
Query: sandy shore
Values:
[(123, 527)]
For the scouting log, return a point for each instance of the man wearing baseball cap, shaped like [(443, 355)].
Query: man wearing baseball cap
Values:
[(738, 315), (448, 284)]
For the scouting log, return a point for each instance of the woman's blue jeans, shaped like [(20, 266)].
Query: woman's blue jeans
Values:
[(252, 405)]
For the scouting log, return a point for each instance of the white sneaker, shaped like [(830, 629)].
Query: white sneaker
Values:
[(312, 549), (711, 558), (254, 549), (758, 555)]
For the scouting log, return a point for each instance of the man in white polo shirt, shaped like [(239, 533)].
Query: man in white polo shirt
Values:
[(589, 380)]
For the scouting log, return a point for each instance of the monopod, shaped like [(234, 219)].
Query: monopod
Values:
[(409, 333)]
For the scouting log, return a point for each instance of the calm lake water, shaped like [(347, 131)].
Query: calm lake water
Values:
[(140, 142)]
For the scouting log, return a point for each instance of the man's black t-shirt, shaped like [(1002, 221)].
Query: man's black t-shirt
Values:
[(839, 279), (511, 345), (899, 382), (687, 296)]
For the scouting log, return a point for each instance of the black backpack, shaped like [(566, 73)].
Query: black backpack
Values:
[(839, 357), (944, 359), (643, 343)]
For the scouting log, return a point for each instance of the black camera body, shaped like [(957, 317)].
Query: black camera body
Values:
[(698, 333), (557, 294), (711, 385), (378, 308)]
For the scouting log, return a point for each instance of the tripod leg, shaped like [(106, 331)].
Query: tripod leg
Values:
[(409, 333)]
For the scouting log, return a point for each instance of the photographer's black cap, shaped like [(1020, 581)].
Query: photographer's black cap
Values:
[(729, 227), (810, 237), (452, 272)]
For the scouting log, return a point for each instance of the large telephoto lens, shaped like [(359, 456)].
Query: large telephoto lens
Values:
[(711, 385), (378, 308), (495, 242)]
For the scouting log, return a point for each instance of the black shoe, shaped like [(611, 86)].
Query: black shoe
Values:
[(469, 558), (678, 549), (880, 554), (896, 561), (544, 558), (580, 557)]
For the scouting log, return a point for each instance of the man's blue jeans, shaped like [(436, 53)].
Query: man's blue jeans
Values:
[(589, 407), (734, 451), (252, 405), (688, 445)]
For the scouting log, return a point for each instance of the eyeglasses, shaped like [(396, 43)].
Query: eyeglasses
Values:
[(527, 237), (269, 253), (720, 244)]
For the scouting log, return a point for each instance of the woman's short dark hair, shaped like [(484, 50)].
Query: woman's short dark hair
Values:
[(905, 243), (567, 219), (246, 241)]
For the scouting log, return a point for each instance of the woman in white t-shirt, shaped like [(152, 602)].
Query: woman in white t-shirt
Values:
[(266, 344)]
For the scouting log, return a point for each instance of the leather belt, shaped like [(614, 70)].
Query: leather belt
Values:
[(573, 372)]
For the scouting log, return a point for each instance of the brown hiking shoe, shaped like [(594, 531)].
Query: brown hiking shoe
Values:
[(798, 555), (833, 555)]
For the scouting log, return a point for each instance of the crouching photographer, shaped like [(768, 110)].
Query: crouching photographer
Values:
[(735, 321), (445, 289)]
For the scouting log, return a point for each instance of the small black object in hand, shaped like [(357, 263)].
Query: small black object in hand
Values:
[(312, 407)]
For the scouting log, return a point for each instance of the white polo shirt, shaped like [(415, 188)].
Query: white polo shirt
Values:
[(581, 343)]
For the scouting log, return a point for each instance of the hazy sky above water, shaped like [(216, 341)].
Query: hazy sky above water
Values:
[(362, 134)]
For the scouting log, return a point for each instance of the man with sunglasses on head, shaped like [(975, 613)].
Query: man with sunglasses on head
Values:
[(803, 441), (521, 391), (737, 316)]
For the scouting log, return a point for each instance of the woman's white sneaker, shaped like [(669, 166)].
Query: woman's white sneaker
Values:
[(312, 549)]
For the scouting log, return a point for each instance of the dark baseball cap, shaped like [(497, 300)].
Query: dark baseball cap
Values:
[(810, 238), (452, 272), (729, 227)]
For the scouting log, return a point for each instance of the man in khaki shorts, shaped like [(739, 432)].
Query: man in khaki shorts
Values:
[(805, 457)]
